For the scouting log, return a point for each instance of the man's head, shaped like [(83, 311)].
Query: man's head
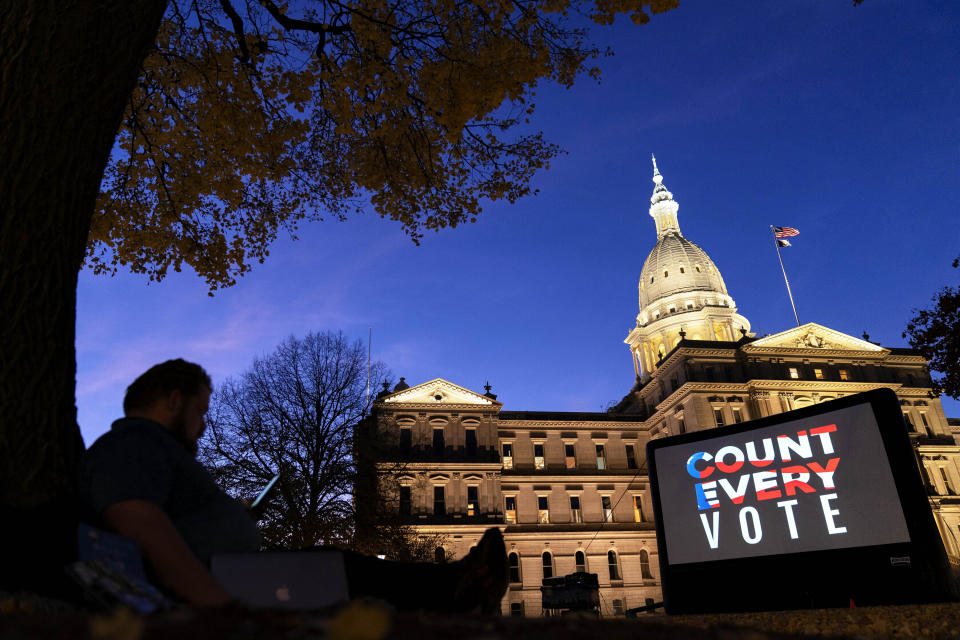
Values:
[(175, 393)]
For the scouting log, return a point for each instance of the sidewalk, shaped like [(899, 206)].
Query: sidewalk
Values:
[(366, 622)]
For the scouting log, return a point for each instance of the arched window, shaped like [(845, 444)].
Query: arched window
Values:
[(645, 564), (439, 555), (581, 561), (547, 565), (514, 561), (614, 565)]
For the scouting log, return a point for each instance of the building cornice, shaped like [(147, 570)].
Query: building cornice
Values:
[(446, 407), (779, 386), (815, 353), (462, 467), (630, 478), (846, 387), (555, 425)]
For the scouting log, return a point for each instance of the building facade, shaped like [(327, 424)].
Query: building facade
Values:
[(570, 490)]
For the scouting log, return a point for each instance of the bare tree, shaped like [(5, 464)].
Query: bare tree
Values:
[(294, 412)]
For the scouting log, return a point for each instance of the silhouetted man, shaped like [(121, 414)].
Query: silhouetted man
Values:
[(142, 480)]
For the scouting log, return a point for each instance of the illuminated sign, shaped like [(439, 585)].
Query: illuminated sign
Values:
[(829, 495), (798, 486)]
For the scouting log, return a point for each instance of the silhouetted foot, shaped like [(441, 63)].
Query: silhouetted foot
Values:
[(482, 575)]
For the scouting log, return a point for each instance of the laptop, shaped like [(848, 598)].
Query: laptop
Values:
[(283, 579)]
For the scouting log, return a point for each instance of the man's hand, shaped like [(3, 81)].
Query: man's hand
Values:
[(176, 566)]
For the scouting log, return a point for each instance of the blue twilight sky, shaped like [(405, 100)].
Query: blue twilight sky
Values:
[(841, 121)]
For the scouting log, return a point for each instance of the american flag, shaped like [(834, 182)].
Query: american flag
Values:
[(785, 232)]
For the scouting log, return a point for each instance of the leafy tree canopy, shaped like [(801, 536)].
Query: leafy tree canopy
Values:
[(251, 117), (935, 333)]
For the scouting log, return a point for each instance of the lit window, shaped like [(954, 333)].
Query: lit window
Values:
[(439, 555), (637, 509), (818, 374), (718, 416), (406, 438), (538, 461), (844, 375), (645, 564), (580, 561), (607, 508), (514, 561), (516, 608), (601, 458), (575, 513), (473, 500), (737, 415), (470, 443), (510, 509), (613, 565), (543, 510), (794, 373), (439, 503), (404, 501), (570, 456), (507, 455), (547, 564), (631, 457), (438, 445)]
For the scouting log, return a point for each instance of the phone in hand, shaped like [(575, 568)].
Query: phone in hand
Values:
[(265, 494)]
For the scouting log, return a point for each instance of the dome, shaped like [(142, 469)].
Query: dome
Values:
[(677, 265), (682, 295)]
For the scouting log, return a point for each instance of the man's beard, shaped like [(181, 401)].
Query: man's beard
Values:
[(179, 430)]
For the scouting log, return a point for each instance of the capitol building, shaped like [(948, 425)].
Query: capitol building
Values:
[(570, 490)]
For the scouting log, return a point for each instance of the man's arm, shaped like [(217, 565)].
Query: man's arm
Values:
[(175, 565)]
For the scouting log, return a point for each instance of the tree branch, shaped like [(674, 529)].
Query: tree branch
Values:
[(301, 25), (237, 21)]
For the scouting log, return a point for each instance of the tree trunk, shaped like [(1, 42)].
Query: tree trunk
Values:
[(67, 68)]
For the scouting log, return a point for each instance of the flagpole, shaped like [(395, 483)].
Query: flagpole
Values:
[(369, 342), (776, 243)]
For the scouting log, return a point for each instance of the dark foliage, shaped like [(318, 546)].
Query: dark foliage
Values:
[(935, 333)]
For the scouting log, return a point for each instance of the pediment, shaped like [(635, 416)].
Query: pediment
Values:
[(814, 337), (439, 392)]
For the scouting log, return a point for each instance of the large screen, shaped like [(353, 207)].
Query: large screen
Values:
[(813, 484)]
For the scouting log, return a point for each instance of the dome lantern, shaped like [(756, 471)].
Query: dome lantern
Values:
[(663, 208)]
